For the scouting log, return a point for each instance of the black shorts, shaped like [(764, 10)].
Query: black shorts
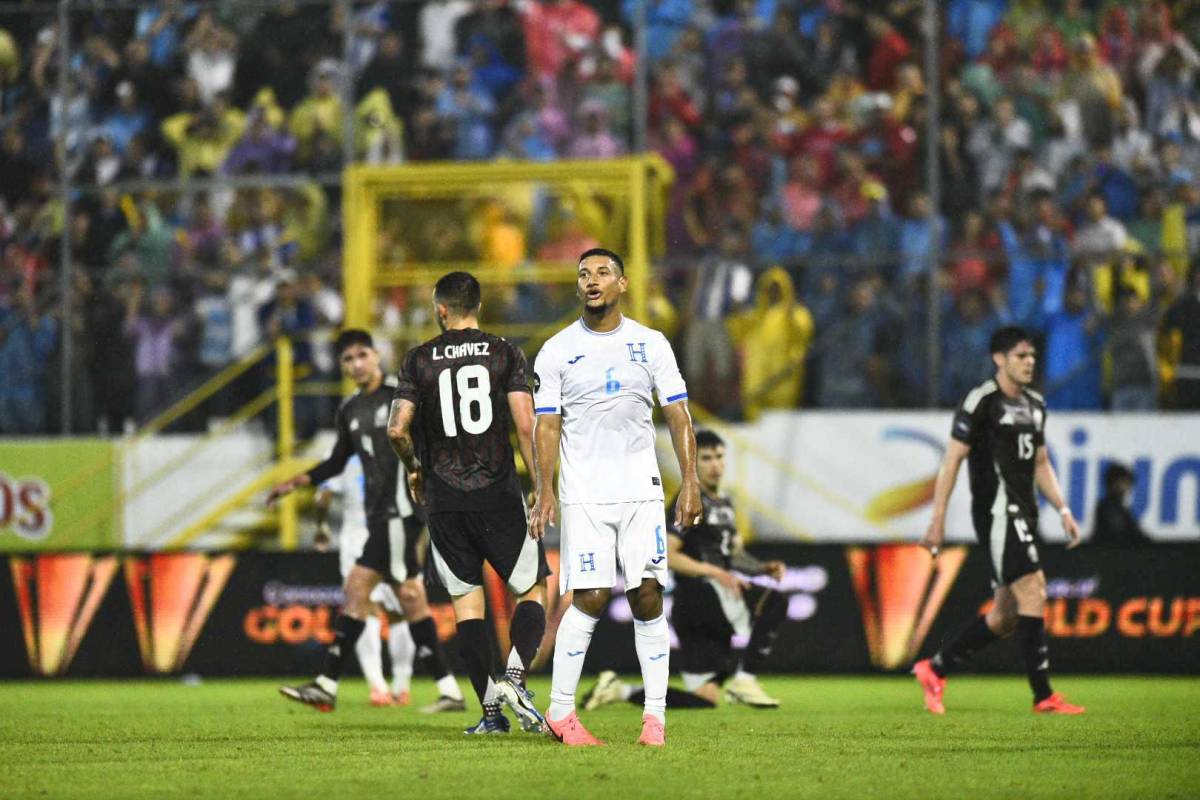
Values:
[(460, 541), (1010, 538), (391, 548), (704, 627)]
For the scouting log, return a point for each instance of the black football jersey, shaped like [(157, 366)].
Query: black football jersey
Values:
[(714, 540), (1004, 434), (460, 383), (361, 422)]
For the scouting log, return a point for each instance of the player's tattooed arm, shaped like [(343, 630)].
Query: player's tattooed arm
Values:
[(547, 432), (1047, 481), (399, 433), (935, 534), (683, 438)]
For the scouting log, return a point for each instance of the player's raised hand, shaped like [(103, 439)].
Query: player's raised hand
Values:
[(687, 508), (416, 485), (543, 515), (1071, 528)]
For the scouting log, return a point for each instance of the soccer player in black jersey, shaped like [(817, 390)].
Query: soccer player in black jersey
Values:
[(712, 603), (392, 529), (999, 429), (450, 426)]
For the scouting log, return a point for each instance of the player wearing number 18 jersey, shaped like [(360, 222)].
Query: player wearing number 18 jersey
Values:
[(450, 427), (1000, 430)]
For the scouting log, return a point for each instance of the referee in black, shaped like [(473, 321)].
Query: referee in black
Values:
[(999, 429)]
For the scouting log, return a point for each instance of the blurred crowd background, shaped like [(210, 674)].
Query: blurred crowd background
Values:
[(202, 145)]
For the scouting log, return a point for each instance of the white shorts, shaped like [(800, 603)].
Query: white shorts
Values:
[(351, 540), (595, 536)]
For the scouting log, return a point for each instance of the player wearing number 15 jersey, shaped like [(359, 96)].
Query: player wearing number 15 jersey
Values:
[(450, 426), (1000, 430)]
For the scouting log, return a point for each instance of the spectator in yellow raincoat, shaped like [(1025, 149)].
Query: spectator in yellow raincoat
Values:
[(773, 337)]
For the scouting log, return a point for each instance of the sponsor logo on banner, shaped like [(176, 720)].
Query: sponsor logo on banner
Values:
[(1074, 610), (854, 477), (57, 597), (171, 595), (293, 614), (900, 590), (25, 507)]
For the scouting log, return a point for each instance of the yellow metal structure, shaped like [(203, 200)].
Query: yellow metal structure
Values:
[(623, 200)]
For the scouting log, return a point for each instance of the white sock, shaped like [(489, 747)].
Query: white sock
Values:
[(489, 694), (653, 644), (369, 650), (741, 674), (448, 687), (328, 684), (570, 649), (400, 645)]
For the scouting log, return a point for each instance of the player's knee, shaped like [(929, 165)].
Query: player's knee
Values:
[(646, 601), (591, 601), (1002, 620)]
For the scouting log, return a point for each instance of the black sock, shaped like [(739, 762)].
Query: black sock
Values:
[(477, 652), (346, 631), (526, 632), (770, 614), (1031, 636), (676, 698), (429, 651), (955, 653)]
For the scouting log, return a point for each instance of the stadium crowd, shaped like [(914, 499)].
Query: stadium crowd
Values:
[(800, 231)]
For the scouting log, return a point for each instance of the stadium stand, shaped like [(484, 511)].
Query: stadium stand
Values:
[(798, 222)]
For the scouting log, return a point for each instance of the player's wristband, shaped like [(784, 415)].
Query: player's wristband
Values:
[(1065, 511)]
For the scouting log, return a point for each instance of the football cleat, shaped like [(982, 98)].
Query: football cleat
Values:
[(748, 691), (382, 698), (496, 724), (520, 700), (401, 699), (310, 694), (654, 734), (1056, 704), (933, 684), (608, 689), (445, 703), (570, 731)]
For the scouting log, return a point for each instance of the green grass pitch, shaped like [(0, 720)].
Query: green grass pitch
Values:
[(853, 737)]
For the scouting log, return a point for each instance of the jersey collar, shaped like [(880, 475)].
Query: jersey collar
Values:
[(620, 325)]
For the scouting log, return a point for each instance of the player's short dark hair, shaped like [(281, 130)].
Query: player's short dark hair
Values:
[(603, 251), (1007, 338), (458, 291), (706, 439), (351, 337)]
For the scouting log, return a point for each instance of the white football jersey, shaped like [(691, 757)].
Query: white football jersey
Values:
[(351, 488), (603, 385)]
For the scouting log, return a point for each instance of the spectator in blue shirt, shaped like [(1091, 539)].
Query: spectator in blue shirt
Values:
[(27, 339), (1073, 354)]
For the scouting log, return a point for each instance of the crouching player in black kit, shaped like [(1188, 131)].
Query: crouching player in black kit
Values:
[(1000, 430), (711, 603), (456, 394), (390, 552)]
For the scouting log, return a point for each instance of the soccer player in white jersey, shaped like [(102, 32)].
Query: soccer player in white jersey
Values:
[(352, 537), (594, 385)]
